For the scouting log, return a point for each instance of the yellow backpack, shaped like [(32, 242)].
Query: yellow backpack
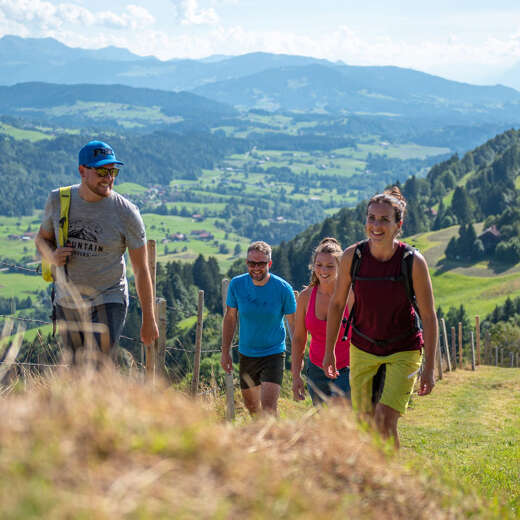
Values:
[(63, 231)]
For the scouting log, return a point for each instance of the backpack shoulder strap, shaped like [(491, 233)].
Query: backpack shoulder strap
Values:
[(63, 230), (406, 272), (64, 215), (356, 260), (354, 268)]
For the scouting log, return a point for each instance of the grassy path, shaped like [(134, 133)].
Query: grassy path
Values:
[(467, 433)]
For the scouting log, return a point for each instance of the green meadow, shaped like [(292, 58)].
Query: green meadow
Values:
[(159, 226), (479, 286), (20, 285), (16, 248), (128, 116), (467, 435), (21, 133)]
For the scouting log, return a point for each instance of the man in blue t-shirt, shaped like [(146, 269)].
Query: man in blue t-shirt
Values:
[(259, 300)]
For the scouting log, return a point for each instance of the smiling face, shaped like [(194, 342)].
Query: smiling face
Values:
[(381, 226), (325, 268), (99, 187), (258, 265)]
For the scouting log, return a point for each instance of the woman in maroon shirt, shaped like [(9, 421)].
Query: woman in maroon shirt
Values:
[(384, 330)]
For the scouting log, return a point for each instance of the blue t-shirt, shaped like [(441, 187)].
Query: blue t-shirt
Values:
[(261, 309)]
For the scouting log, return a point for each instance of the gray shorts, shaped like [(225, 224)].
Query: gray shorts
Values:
[(110, 314)]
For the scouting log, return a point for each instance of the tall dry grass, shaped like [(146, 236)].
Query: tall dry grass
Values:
[(99, 445)]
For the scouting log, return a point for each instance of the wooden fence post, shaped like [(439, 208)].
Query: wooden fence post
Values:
[(152, 267), (512, 359), (477, 337), (496, 356), (230, 390), (439, 359), (460, 345), (472, 352), (446, 343), (198, 346), (454, 348), (160, 344)]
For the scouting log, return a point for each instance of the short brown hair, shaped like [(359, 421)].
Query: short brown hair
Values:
[(261, 247), (330, 246)]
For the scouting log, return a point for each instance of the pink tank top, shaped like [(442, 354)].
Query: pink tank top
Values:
[(318, 332)]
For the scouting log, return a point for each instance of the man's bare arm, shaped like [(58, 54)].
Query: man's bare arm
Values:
[(229, 325), (143, 285)]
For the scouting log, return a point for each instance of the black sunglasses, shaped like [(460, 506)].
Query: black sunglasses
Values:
[(250, 263)]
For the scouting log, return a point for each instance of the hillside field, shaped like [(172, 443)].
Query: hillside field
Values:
[(75, 446), (479, 286), (467, 433)]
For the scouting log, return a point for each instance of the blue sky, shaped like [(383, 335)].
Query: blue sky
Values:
[(473, 41)]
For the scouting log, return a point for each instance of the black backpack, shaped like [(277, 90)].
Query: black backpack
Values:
[(405, 278)]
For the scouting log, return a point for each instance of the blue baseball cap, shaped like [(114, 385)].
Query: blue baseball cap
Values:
[(97, 153)]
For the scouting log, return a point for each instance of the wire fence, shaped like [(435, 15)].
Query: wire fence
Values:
[(20, 267)]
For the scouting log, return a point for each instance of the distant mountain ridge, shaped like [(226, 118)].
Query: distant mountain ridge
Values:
[(14, 49), (25, 60), (269, 81), (377, 90), (34, 100)]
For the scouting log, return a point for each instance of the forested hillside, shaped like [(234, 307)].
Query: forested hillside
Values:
[(31, 170), (480, 186)]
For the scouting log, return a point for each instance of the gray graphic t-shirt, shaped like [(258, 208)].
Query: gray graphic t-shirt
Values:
[(99, 232)]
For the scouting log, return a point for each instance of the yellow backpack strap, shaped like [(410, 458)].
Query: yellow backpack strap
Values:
[(64, 215), (63, 230)]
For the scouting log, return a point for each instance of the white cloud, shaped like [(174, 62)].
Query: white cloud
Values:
[(191, 13), (40, 17), (140, 15)]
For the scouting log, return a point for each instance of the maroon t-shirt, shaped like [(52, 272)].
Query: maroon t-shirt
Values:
[(383, 311)]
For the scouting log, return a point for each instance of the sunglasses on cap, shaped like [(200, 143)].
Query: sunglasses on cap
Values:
[(105, 172)]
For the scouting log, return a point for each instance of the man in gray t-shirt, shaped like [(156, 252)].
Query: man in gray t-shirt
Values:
[(90, 269)]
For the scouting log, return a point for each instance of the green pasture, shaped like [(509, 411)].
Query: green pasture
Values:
[(21, 133), (391, 150), (130, 188), (158, 226), (316, 163), (479, 294), (29, 334), (476, 285), (20, 285), (197, 207), (187, 323), (18, 248), (129, 115), (467, 435)]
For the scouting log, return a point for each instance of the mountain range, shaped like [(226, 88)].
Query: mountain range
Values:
[(263, 80)]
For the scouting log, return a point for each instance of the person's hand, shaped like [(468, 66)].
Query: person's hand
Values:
[(226, 362), (149, 331), (61, 254), (427, 382), (298, 388), (329, 366)]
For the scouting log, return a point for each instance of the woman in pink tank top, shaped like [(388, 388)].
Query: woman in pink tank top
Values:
[(311, 314), (384, 330)]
